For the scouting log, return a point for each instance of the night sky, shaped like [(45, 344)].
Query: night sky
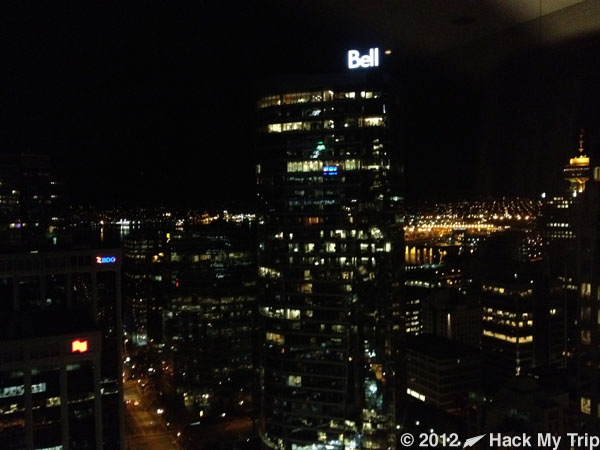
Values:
[(152, 102)]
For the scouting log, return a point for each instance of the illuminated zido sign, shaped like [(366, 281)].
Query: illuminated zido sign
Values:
[(355, 60), (80, 346), (106, 259)]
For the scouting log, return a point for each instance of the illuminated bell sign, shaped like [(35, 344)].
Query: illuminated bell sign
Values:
[(355, 60), (106, 259), (80, 346)]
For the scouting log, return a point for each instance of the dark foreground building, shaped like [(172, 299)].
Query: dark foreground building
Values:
[(584, 179), (330, 256), (50, 376), (61, 350)]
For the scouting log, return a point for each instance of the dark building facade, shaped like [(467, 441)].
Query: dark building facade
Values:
[(421, 285), (524, 321), (51, 386), (571, 225), (330, 257), (32, 208), (585, 218), (508, 327), (143, 261), (209, 318), (46, 297), (559, 223), (442, 372), (558, 229), (454, 315)]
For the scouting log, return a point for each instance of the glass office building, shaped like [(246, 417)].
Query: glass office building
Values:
[(330, 261), (50, 395), (209, 320)]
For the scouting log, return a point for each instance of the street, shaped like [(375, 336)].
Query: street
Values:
[(144, 428), (154, 423)]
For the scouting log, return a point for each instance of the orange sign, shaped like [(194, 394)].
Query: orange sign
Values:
[(79, 346)]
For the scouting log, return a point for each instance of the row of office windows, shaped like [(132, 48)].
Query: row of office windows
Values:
[(373, 232), (315, 97), (507, 291), (312, 125), (511, 339), (317, 166)]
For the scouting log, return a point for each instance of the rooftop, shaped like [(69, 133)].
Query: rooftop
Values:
[(439, 347)]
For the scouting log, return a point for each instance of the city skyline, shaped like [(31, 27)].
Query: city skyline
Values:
[(300, 225), (154, 104)]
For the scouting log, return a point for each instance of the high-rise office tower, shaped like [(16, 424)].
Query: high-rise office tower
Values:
[(586, 224), (209, 318), (143, 260), (330, 256), (508, 321), (523, 322), (559, 223)]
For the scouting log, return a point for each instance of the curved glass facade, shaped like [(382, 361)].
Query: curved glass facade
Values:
[(330, 257)]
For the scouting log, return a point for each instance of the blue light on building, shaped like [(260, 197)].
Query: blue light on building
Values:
[(330, 170)]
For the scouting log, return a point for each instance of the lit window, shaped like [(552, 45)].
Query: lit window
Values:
[(52, 401), (586, 289), (292, 314), (586, 405), (586, 337), (294, 380), (415, 394), (275, 338), (306, 288), (376, 121)]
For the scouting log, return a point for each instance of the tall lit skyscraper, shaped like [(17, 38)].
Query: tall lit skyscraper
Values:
[(330, 256), (559, 223), (572, 224), (142, 278)]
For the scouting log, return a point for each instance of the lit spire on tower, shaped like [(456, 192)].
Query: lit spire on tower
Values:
[(577, 172)]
